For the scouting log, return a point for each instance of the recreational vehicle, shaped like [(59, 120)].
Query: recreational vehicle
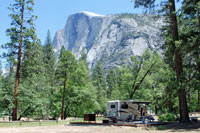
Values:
[(129, 110)]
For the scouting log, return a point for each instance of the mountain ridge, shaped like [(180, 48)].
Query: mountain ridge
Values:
[(111, 39)]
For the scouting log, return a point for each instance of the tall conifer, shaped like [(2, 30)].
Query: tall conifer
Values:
[(21, 33)]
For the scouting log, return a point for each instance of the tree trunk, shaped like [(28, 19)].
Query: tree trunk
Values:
[(156, 110), (63, 99), (198, 14), (184, 115), (14, 114), (65, 113), (199, 98), (189, 95), (198, 56)]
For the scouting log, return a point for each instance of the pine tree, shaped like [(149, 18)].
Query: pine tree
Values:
[(124, 78), (1, 89), (49, 57), (21, 33), (111, 82), (66, 66), (190, 20), (99, 82), (49, 61), (32, 82), (7, 91), (1, 76), (171, 10), (81, 98), (62, 50)]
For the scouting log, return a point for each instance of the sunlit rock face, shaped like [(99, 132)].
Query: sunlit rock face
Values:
[(110, 39)]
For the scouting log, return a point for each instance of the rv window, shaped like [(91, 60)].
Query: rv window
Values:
[(124, 106), (112, 106)]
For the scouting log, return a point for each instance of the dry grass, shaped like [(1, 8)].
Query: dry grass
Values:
[(66, 128)]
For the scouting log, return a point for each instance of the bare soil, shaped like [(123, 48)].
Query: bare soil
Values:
[(172, 127)]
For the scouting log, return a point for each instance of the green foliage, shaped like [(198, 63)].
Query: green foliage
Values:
[(49, 57), (32, 103), (49, 73), (181, 48), (66, 65), (168, 117), (22, 37), (32, 63), (111, 82), (124, 82), (193, 100), (64, 72), (80, 93), (81, 100), (99, 83), (62, 50), (6, 93), (28, 34), (5, 96)]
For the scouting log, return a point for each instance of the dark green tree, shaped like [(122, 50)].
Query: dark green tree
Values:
[(124, 78), (66, 66), (99, 82), (189, 19), (81, 98), (170, 10), (1, 76), (6, 102), (111, 82), (142, 66), (62, 50), (21, 33), (32, 103), (49, 62)]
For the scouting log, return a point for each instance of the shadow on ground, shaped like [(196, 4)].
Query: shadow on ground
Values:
[(176, 126)]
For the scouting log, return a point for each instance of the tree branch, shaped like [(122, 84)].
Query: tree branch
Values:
[(135, 87)]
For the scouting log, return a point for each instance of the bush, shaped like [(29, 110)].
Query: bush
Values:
[(167, 117)]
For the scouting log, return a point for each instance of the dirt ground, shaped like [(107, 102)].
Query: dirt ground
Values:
[(173, 127)]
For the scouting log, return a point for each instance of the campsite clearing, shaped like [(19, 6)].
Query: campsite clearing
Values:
[(173, 127)]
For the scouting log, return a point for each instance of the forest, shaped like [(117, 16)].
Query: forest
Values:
[(41, 84)]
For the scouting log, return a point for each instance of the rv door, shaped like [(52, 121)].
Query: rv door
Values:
[(112, 109)]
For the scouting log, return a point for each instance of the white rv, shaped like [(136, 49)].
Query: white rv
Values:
[(129, 110)]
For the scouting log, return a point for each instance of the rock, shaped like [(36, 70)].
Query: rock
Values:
[(112, 39)]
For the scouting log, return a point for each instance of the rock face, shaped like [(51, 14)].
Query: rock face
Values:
[(110, 39)]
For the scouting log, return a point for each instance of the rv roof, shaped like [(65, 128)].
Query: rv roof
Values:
[(113, 101), (139, 102)]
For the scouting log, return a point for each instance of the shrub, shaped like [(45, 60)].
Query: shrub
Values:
[(167, 117)]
